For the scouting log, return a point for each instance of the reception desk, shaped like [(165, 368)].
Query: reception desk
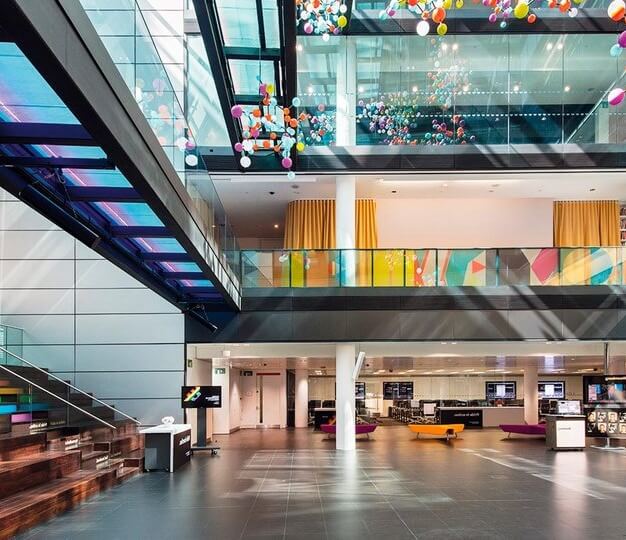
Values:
[(168, 446), (565, 432), (477, 417)]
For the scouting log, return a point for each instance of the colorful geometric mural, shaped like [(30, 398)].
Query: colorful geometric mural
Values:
[(528, 266), (466, 267), (590, 266)]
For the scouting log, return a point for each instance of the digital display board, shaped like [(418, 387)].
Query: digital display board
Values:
[(551, 389), (604, 389), (197, 397), (398, 390), (359, 390), (501, 390)]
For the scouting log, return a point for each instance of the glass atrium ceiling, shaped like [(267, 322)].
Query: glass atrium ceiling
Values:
[(27, 101)]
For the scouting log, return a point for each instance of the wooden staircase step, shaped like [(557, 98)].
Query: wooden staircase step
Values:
[(94, 460), (127, 472), (33, 506), (25, 473), (13, 446)]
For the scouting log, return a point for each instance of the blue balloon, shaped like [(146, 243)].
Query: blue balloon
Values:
[(615, 50), (296, 102)]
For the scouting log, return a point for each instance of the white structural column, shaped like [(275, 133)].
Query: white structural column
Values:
[(345, 357), (531, 394), (302, 398), (345, 225)]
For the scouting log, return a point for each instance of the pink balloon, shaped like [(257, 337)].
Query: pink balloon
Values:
[(236, 111), (621, 40), (308, 28), (238, 147), (616, 96), (286, 162)]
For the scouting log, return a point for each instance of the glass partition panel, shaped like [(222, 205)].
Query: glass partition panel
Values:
[(363, 263), (388, 267), (421, 267), (521, 266), (265, 268), (466, 267), (320, 268), (590, 266)]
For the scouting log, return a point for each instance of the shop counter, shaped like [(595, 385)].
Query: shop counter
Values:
[(168, 446), (565, 432), (481, 416)]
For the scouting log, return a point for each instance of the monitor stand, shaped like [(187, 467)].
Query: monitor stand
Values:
[(201, 444)]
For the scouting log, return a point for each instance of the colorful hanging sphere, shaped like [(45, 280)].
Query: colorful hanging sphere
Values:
[(621, 40), (617, 10), (286, 162), (423, 28), (238, 147), (442, 29), (342, 21), (615, 50), (245, 162), (236, 111), (616, 96), (521, 10)]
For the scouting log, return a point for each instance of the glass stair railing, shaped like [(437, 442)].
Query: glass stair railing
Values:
[(32, 400)]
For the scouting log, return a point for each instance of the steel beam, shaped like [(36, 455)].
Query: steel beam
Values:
[(122, 231), (103, 194), (184, 275), (55, 162), (39, 133), (154, 256)]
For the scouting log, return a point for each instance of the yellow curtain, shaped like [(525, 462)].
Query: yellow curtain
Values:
[(586, 223), (310, 224)]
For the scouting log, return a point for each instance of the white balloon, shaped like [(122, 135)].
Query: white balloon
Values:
[(423, 28), (191, 160), (245, 162)]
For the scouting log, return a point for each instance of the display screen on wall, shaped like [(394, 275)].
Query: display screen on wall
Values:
[(398, 390), (197, 397), (359, 390), (604, 389), (551, 389), (501, 390), (606, 422)]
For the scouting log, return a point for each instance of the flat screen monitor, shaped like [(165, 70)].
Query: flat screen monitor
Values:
[(568, 406), (359, 390), (429, 409), (198, 397), (501, 390), (604, 389), (398, 390), (551, 390)]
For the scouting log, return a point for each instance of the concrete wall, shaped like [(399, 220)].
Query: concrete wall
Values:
[(464, 223), (86, 320)]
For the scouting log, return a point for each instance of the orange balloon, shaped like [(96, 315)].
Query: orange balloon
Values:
[(256, 113), (266, 144), (532, 18), (293, 123), (272, 135), (425, 15), (564, 6), (439, 15)]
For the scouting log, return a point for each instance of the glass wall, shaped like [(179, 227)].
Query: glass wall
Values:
[(499, 90)]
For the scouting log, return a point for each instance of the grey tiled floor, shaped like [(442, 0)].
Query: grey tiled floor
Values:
[(279, 484)]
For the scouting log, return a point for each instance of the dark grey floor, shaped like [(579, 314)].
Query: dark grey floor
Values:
[(279, 484)]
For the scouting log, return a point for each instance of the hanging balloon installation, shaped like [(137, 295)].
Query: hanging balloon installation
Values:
[(264, 133), (443, 133), (500, 10), (322, 17)]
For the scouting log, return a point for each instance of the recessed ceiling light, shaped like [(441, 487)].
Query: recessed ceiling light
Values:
[(444, 46), (381, 180), (465, 88), (414, 89), (299, 47), (559, 46), (549, 45), (445, 185), (276, 225), (455, 46), (567, 88), (361, 89), (310, 89), (516, 88)]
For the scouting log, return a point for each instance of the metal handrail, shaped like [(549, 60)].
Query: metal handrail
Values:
[(57, 397), (70, 385)]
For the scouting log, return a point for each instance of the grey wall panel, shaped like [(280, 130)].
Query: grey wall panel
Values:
[(17, 216), (85, 253), (101, 274), (262, 326), (149, 384), (121, 301), (541, 324), (619, 332), (363, 324), (587, 323), (151, 357), (36, 245), (308, 326), (36, 301), (31, 274), (44, 329), (474, 325), (429, 325), (150, 411), (57, 358), (148, 328)]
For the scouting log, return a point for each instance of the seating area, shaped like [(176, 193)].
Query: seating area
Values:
[(360, 429), (437, 430), (524, 429), (51, 457)]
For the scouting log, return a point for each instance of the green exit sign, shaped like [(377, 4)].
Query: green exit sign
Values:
[(220, 371)]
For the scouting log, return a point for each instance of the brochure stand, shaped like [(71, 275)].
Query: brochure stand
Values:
[(201, 444)]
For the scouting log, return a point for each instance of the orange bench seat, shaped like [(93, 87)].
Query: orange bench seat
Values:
[(440, 430)]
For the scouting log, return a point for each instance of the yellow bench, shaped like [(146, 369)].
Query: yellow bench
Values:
[(437, 429)]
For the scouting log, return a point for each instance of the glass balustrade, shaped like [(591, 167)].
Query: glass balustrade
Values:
[(434, 267)]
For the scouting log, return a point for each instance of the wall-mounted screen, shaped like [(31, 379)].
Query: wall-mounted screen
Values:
[(501, 390), (359, 390), (570, 406), (604, 389), (197, 397), (551, 390), (398, 390)]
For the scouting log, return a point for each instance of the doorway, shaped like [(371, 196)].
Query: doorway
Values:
[(269, 385)]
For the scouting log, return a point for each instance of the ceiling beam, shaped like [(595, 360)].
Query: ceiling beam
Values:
[(55, 162), (154, 256), (184, 275), (140, 231), (40, 133), (103, 194), (206, 13), (251, 53)]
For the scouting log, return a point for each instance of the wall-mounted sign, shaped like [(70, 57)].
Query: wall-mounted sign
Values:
[(220, 371), (247, 373), (189, 362)]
